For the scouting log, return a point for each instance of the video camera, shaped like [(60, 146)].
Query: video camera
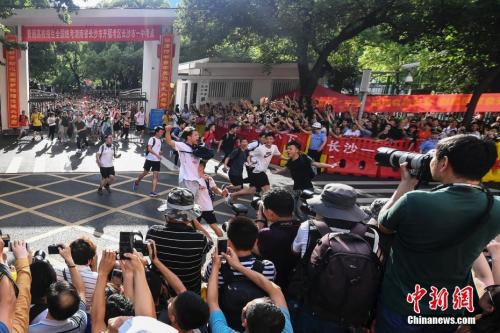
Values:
[(419, 165), (130, 241)]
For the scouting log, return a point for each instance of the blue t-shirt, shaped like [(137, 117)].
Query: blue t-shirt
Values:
[(428, 145), (218, 323), (317, 140), (3, 328)]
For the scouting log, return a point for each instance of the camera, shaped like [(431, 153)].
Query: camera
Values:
[(39, 255), (304, 208), (130, 241), (54, 249), (419, 165), (256, 200), (6, 239)]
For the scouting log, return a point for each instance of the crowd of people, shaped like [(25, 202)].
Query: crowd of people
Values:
[(343, 268)]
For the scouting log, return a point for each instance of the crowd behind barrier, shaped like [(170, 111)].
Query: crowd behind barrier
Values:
[(354, 156)]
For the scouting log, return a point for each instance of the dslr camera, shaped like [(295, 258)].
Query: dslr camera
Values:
[(130, 241), (419, 165), (6, 239)]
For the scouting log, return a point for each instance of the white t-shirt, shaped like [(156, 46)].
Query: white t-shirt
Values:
[(203, 197), (139, 118), (106, 157), (350, 132), (155, 144), (263, 156), (188, 169)]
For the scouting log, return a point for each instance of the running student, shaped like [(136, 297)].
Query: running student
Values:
[(140, 120), (188, 170), (203, 198), (259, 182), (235, 163), (23, 124), (228, 142), (104, 158), (152, 162)]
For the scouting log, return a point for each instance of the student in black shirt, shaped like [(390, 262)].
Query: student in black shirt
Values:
[(228, 141), (235, 162), (301, 167)]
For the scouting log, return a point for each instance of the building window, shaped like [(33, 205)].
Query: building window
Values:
[(217, 89), (281, 87), (242, 89)]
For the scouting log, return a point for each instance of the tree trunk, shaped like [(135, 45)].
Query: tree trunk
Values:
[(307, 86), (483, 85)]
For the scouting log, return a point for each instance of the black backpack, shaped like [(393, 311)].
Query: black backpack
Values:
[(200, 151), (236, 292), (344, 276)]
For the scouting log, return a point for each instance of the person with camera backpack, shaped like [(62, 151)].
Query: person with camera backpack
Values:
[(335, 285), (438, 235), (235, 289), (152, 163)]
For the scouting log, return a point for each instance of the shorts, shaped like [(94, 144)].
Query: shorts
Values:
[(236, 180), (191, 185), (37, 128), (139, 128), (259, 180), (208, 216), (106, 172), (152, 165)]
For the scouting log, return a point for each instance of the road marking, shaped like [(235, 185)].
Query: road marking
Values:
[(170, 166), (14, 165)]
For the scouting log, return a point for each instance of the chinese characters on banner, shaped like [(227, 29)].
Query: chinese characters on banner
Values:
[(166, 52), (11, 64), (115, 33)]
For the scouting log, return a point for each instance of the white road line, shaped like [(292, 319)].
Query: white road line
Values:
[(170, 166), (39, 164), (14, 165)]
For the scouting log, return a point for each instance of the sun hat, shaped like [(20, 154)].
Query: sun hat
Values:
[(316, 125), (180, 205), (337, 201)]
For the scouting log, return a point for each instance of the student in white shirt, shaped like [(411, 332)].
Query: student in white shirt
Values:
[(140, 121), (152, 162), (203, 199), (188, 170), (261, 157), (104, 158)]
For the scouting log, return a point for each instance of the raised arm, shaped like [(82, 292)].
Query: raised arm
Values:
[(494, 249), (23, 281), (260, 280), (65, 252), (143, 300), (106, 265), (168, 137), (213, 284), (172, 280)]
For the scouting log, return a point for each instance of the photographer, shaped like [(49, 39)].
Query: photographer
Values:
[(274, 242), (180, 246), (444, 230), (65, 302)]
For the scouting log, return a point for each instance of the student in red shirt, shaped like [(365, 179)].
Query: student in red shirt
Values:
[(23, 124), (209, 136)]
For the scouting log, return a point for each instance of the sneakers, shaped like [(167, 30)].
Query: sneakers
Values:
[(107, 188), (99, 190), (153, 194), (135, 185), (229, 200)]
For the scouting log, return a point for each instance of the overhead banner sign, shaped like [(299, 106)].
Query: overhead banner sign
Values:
[(11, 66), (166, 53), (72, 33), (489, 102)]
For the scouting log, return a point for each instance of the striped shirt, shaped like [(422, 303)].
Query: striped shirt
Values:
[(182, 249), (269, 271), (89, 279)]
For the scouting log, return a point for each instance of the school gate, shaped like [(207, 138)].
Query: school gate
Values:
[(153, 26)]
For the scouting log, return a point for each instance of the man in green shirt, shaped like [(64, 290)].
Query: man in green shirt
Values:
[(438, 236)]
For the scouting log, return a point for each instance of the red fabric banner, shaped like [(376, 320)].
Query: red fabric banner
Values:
[(166, 52), (11, 66), (73, 33)]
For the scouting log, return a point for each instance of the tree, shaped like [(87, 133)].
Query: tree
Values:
[(307, 32), (135, 4)]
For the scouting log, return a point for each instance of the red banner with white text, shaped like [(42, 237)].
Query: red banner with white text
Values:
[(12, 68), (166, 53), (73, 33)]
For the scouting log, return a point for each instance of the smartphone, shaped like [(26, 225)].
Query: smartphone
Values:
[(221, 245)]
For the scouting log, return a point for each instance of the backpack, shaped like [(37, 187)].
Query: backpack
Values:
[(236, 292), (146, 152), (200, 151), (344, 276)]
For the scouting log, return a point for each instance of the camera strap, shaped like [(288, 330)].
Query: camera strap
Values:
[(477, 224)]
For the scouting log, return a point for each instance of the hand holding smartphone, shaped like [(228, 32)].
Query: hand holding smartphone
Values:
[(221, 245)]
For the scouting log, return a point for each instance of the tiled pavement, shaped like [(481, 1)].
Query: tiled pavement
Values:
[(48, 209)]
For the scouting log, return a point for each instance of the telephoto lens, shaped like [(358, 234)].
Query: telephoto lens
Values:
[(419, 165)]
